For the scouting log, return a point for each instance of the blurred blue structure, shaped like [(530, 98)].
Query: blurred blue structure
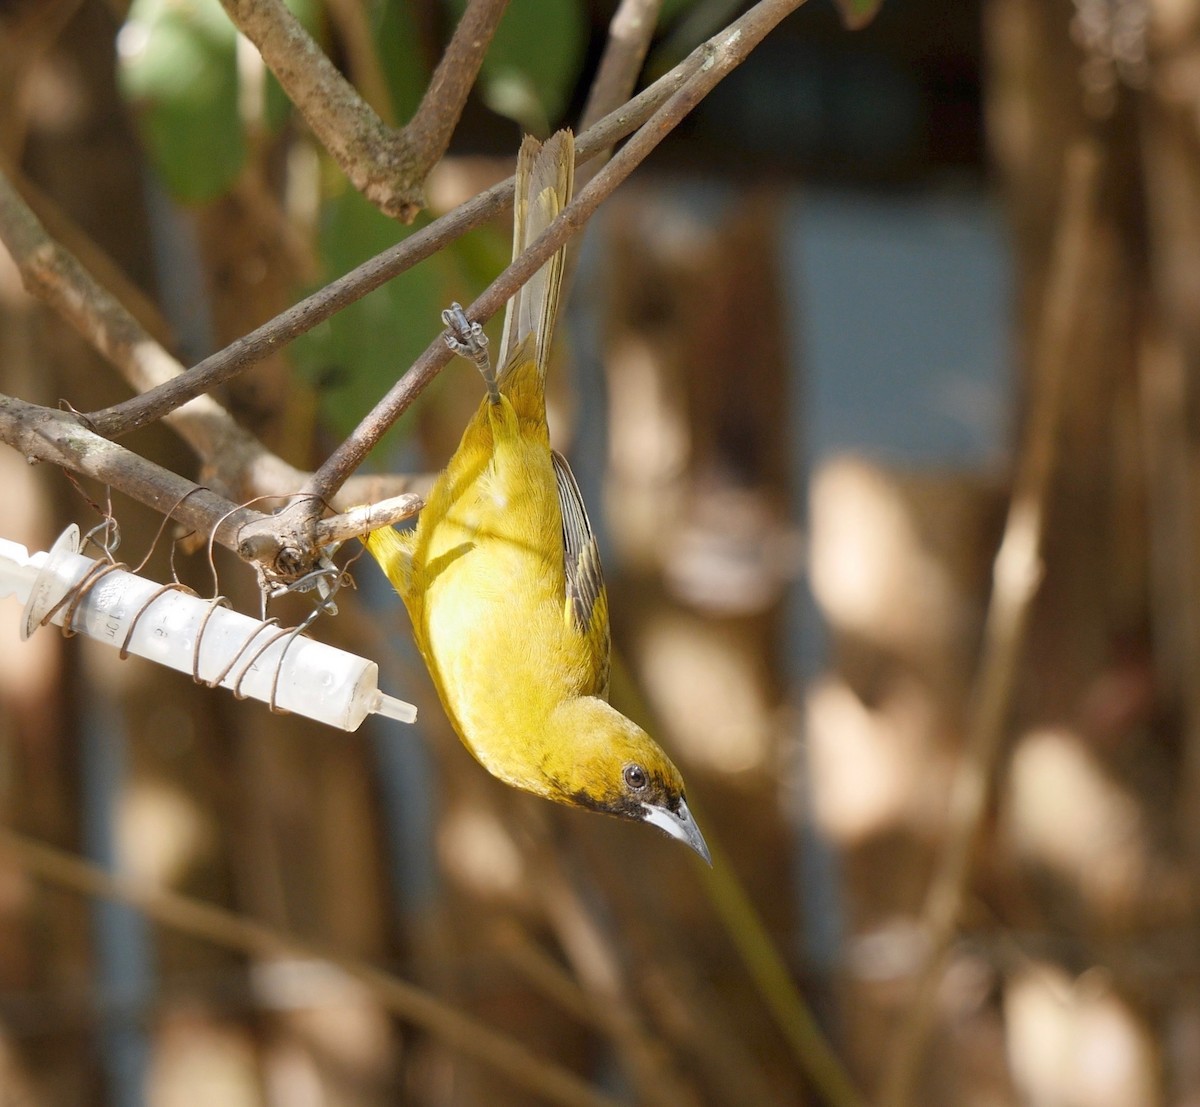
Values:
[(900, 351), (903, 324)]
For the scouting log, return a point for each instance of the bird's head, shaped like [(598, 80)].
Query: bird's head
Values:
[(613, 765)]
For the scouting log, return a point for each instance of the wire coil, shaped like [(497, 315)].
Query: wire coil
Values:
[(263, 635)]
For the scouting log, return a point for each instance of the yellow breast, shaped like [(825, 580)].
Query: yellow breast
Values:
[(486, 594)]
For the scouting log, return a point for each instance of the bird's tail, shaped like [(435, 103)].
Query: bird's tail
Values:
[(545, 175)]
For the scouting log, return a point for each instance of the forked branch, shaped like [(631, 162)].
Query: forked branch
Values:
[(653, 114), (715, 59), (386, 165)]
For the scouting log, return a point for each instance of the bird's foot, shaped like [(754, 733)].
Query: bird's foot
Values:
[(468, 340)]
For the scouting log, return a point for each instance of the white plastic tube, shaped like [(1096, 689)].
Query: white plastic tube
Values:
[(289, 671)]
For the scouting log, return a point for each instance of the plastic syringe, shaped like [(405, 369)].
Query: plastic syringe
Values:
[(290, 671)]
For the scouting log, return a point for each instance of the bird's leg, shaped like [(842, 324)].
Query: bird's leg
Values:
[(468, 340)]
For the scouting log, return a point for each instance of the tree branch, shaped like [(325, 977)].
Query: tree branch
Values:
[(286, 541), (239, 464), (1017, 574), (386, 165), (119, 419), (713, 61), (367, 517), (43, 434), (441, 107), (209, 923), (378, 160), (629, 35)]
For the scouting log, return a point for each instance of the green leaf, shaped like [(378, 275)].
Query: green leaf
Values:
[(398, 45), (178, 67), (355, 357), (858, 13), (672, 10), (533, 62)]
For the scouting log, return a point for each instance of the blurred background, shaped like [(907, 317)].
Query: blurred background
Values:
[(882, 296)]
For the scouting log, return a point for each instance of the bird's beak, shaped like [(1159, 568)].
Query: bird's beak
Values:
[(679, 825)]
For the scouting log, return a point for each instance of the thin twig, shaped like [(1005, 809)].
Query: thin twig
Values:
[(378, 160), (441, 107), (272, 336), (467, 1035), (681, 90), (43, 434), (386, 165), (1016, 576), (276, 333), (234, 459), (629, 34), (719, 56), (368, 517)]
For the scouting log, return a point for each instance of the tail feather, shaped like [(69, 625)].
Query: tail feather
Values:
[(545, 177)]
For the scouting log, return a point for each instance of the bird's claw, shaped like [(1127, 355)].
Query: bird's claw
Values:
[(463, 336), (467, 339)]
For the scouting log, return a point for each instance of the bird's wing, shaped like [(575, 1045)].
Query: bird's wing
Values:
[(545, 173), (393, 550), (586, 607)]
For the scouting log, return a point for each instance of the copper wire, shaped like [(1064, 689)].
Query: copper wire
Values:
[(247, 654)]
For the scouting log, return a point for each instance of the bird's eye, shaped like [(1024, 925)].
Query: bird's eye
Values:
[(635, 777)]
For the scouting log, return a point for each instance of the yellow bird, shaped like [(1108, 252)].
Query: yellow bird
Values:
[(501, 575)]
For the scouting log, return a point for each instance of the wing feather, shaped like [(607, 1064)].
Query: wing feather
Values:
[(586, 601)]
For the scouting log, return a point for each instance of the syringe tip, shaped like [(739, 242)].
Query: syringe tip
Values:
[(392, 708)]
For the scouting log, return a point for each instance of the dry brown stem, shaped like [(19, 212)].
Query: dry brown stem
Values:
[(181, 913), (386, 165), (629, 35), (287, 544), (42, 434), (238, 464), (661, 107), (323, 304), (711, 62), (1016, 576)]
